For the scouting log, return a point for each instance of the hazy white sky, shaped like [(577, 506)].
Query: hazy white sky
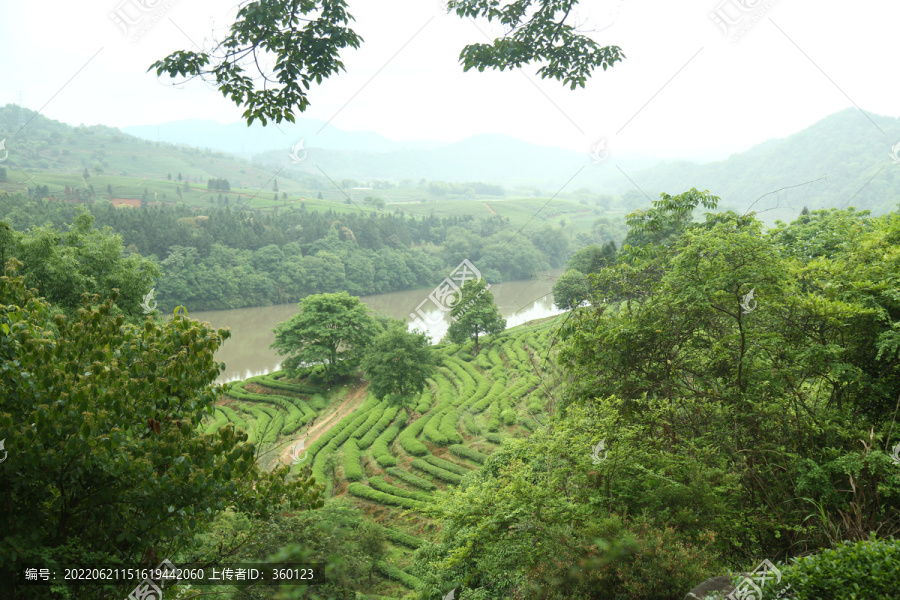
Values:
[(685, 88)]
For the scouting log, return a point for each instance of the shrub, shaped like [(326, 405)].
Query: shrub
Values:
[(380, 447), (432, 431), (447, 465), (383, 486), (438, 472), (401, 538), (366, 493), (318, 402), (396, 574), (425, 402), (448, 426), (352, 470), (408, 437), (469, 453), (867, 569), (411, 479), (494, 438)]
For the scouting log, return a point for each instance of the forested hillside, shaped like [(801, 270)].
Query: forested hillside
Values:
[(727, 395), (843, 160), (224, 258)]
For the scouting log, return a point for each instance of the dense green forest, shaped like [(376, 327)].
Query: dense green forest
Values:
[(726, 395), (226, 258), (713, 417)]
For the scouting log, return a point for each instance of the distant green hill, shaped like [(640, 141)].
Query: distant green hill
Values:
[(845, 153)]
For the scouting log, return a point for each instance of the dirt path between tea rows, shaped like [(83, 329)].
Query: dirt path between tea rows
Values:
[(322, 425)]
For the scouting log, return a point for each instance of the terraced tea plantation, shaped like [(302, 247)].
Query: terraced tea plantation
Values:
[(390, 466)]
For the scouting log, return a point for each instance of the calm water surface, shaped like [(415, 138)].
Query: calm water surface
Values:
[(246, 353)]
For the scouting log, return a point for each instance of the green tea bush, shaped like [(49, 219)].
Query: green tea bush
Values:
[(448, 426), (494, 421), (234, 417), (381, 446), (401, 538), (863, 570), (438, 472), (425, 402), (494, 438), (363, 491), (447, 465), (383, 486), (432, 430), (318, 402), (408, 437), (469, 453), (396, 574), (374, 414), (411, 479), (352, 469), (386, 417), (508, 417)]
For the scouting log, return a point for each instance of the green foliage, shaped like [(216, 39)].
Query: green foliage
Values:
[(352, 468), (64, 265), (411, 479), (570, 290), (345, 542), (396, 574), (305, 43), (866, 569), (408, 439), (373, 433), (801, 378), (447, 465), (475, 314), (117, 413), (469, 453), (382, 486), (365, 492), (397, 363), (401, 538), (442, 474), (330, 328)]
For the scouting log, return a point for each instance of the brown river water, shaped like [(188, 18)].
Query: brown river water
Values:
[(246, 353)]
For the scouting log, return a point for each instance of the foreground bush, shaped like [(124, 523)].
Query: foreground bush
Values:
[(865, 570)]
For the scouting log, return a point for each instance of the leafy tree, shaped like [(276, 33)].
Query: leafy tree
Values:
[(331, 329), (688, 337), (304, 41), (397, 364), (474, 314), (570, 290), (63, 266), (537, 521), (102, 422)]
